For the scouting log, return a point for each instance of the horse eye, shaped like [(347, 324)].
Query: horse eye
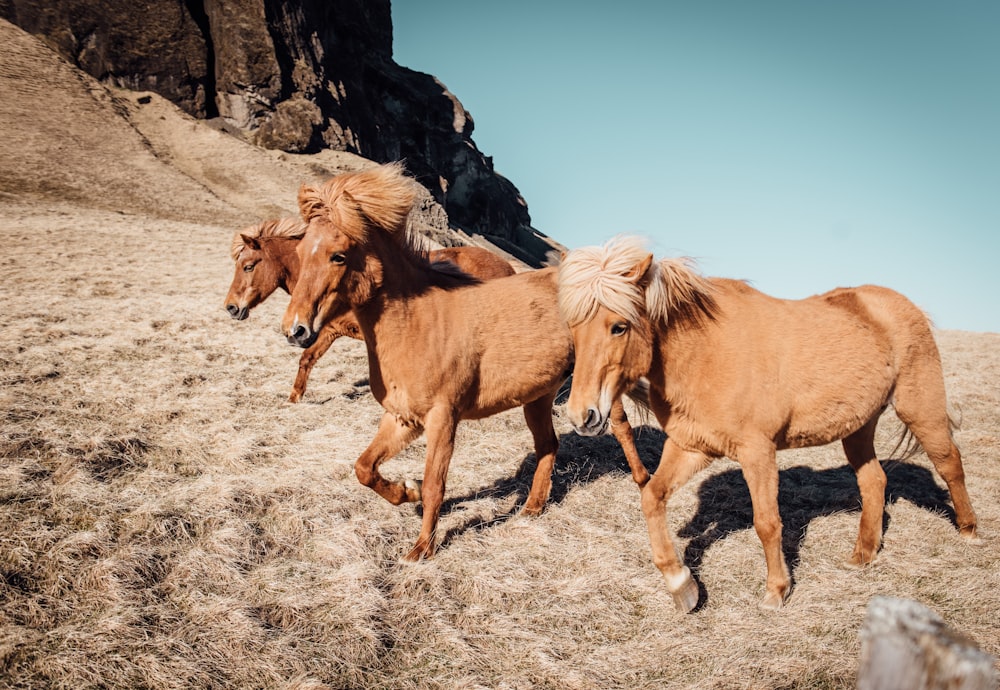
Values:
[(338, 258), (248, 267), (619, 328)]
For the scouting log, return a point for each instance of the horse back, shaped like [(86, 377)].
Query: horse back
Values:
[(803, 372), (475, 261)]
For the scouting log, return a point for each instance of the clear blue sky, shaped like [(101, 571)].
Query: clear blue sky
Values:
[(800, 145)]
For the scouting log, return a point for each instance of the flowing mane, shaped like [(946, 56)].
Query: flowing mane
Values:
[(292, 228), (605, 276), (380, 197)]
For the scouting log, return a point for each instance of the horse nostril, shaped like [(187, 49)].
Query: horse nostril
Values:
[(301, 335), (592, 418), (233, 310)]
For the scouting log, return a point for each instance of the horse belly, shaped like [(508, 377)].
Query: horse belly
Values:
[(836, 405)]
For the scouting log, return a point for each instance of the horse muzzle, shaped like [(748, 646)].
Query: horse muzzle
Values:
[(595, 423), (301, 335), (237, 312)]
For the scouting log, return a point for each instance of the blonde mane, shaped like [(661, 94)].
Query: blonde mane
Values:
[(292, 228), (382, 197), (593, 277)]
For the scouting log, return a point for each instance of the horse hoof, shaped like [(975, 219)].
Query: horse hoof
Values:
[(684, 590), (294, 397), (417, 554), (412, 488), (970, 535), (860, 561), (531, 511), (773, 601)]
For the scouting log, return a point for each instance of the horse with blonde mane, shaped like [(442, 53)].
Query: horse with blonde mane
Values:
[(734, 372), (265, 260), (441, 347)]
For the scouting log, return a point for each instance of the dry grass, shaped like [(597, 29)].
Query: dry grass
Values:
[(168, 521)]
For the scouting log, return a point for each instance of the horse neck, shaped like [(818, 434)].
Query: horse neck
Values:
[(285, 260), (404, 274), (685, 336)]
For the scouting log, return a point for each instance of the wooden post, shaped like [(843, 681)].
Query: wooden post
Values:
[(906, 646)]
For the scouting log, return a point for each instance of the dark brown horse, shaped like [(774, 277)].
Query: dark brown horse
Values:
[(441, 347), (736, 373), (265, 260)]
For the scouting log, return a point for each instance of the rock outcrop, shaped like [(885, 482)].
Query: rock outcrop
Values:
[(298, 76)]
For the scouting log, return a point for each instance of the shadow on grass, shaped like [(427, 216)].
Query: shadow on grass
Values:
[(580, 461), (804, 494), (724, 507)]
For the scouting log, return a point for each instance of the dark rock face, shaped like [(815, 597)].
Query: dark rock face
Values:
[(296, 75)]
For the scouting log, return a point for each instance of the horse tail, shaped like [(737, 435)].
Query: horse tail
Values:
[(906, 443), (910, 446)]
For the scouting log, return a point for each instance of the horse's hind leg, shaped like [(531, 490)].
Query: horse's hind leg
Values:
[(935, 438), (921, 405), (622, 430), (538, 415), (440, 424), (392, 436), (860, 450)]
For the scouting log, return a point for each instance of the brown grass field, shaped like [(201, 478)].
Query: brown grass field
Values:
[(167, 520)]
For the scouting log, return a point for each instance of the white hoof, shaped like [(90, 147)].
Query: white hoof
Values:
[(412, 487), (684, 590)]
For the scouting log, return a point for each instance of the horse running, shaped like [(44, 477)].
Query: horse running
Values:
[(441, 346), (734, 372), (266, 260)]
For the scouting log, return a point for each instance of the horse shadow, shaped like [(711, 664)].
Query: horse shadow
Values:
[(804, 494), (580, 461), (724, 506)]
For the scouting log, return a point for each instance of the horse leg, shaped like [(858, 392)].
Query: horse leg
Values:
[(622, 430), (944, 454), (309, 357), (676, 467), (538, 415), (440, 424), (860, 450), (760, 470), (920, 404), (392, 436)]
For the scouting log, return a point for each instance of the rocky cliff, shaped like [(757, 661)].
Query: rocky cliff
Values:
[(298, 76)]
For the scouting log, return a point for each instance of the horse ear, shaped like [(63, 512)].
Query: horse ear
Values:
[(252, 242), (640, 270)]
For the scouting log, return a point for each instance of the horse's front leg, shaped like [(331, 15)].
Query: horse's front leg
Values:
[(676, 467), (538, 415), (760, 469), (346, 325), (392, 436), (440, 424), (622, 430)]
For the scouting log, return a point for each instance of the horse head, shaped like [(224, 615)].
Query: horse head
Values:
[(349, 218), (603, 304), (254, 280), (264, 262)]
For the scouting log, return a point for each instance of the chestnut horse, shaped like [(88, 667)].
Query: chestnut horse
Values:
[(266, 260), (736, 373), (441, 347)]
